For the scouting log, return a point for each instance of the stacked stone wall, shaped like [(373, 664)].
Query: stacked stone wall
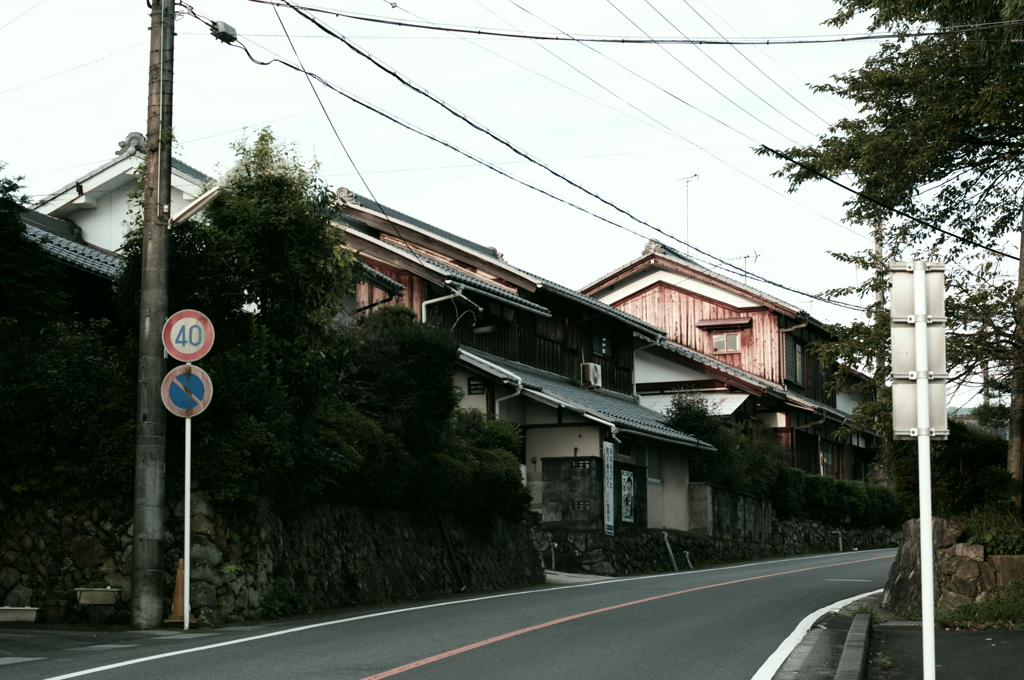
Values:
[(255, 561), (594, 552)]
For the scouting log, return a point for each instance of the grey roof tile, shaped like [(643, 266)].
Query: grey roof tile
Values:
[(55, 225), (492, 253), (78, 255), (774, 389), (379, 280), (621, 410)]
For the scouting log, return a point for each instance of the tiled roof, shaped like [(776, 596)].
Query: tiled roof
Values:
[(79, 255), (409, 219), (599, 306), (486, 288), (379, 280), (492, 253), (770, 387), (619, 409), (181, 166), (54, 225), (823, 409)]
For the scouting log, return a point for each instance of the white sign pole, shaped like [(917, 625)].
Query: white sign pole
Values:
[(924, 470), (188, 518)]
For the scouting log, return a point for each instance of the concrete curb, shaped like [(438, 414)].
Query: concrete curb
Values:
[(853, 664)]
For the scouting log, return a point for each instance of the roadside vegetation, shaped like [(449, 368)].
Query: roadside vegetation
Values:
[(310, 405), (1002, 608), (759, 467)]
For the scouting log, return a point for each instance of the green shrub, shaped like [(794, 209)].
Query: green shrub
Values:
[(998, 609)]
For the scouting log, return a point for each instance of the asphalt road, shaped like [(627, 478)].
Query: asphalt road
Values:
[(720, 623)]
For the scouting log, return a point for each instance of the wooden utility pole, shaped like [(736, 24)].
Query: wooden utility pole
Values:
[(150, 423), (1015, 450)]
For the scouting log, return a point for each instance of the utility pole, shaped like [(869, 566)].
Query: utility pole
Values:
[(151, 420), (1015, 450)]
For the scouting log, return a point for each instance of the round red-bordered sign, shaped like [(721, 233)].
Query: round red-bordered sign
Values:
[(188, 335), (186, 390)]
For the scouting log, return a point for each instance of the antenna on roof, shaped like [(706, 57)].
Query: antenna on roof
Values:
[(688, 180)]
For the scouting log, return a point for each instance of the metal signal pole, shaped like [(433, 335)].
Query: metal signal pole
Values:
[(151, 420)]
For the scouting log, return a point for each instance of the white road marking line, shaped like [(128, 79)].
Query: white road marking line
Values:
[(298, 629), (18, 659), (768, 668)]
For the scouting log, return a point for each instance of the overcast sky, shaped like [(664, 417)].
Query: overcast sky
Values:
[(624, 120)]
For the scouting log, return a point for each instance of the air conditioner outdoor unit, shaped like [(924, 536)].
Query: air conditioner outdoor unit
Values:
[(590, 375)]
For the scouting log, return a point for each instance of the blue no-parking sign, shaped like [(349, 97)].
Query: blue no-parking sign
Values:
[(186, 391)]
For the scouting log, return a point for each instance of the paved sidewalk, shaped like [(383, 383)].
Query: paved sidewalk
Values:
[(895, 650)]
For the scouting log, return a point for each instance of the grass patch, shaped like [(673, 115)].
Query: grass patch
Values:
[(1001, 608), (864, 609), (999, 528)]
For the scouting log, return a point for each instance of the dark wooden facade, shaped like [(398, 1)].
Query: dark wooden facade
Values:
[(574, 334)]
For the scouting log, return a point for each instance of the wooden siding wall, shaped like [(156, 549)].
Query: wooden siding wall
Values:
[(678, 311), (413, 296), (520, 341)]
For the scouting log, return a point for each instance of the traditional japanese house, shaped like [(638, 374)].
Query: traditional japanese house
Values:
[(743, 350), (557, 362)]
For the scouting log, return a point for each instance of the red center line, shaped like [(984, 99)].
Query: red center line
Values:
[(505, 636)]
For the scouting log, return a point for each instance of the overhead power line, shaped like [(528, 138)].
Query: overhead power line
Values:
[(412, 128), (866, 37)]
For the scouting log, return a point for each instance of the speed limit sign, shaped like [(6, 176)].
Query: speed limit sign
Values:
[(188, 335)]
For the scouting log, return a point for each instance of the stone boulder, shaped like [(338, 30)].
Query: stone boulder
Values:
[(20, 596), (903, 587)]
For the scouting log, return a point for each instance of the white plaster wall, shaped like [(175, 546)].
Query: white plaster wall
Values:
[(638, 282), (847, 401), (104, 225), (477, 401), (650, 368), (559, 442)]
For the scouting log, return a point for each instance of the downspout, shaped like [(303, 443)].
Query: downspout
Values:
[(607, 424), (518, 380)]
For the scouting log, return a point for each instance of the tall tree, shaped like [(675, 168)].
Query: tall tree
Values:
[(939, 140)]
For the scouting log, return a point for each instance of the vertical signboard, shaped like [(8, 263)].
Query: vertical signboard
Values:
[(608, 452), (919, 402)]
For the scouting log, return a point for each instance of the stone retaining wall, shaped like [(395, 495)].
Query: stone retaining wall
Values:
[(963, 573), (594, 552), (257, 562)]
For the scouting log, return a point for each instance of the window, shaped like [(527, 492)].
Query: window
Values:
[(653, 464), (726, 342), (794, 360)]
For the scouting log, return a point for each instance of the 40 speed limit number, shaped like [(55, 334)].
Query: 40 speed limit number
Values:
[(188, 335)]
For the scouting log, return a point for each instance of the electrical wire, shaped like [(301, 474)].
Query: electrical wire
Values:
[(641, 77), (950, 30), (358, 100), (742, 54), (22, 14), (73, 68), (888, 207), (466, 119), (722, 68)]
